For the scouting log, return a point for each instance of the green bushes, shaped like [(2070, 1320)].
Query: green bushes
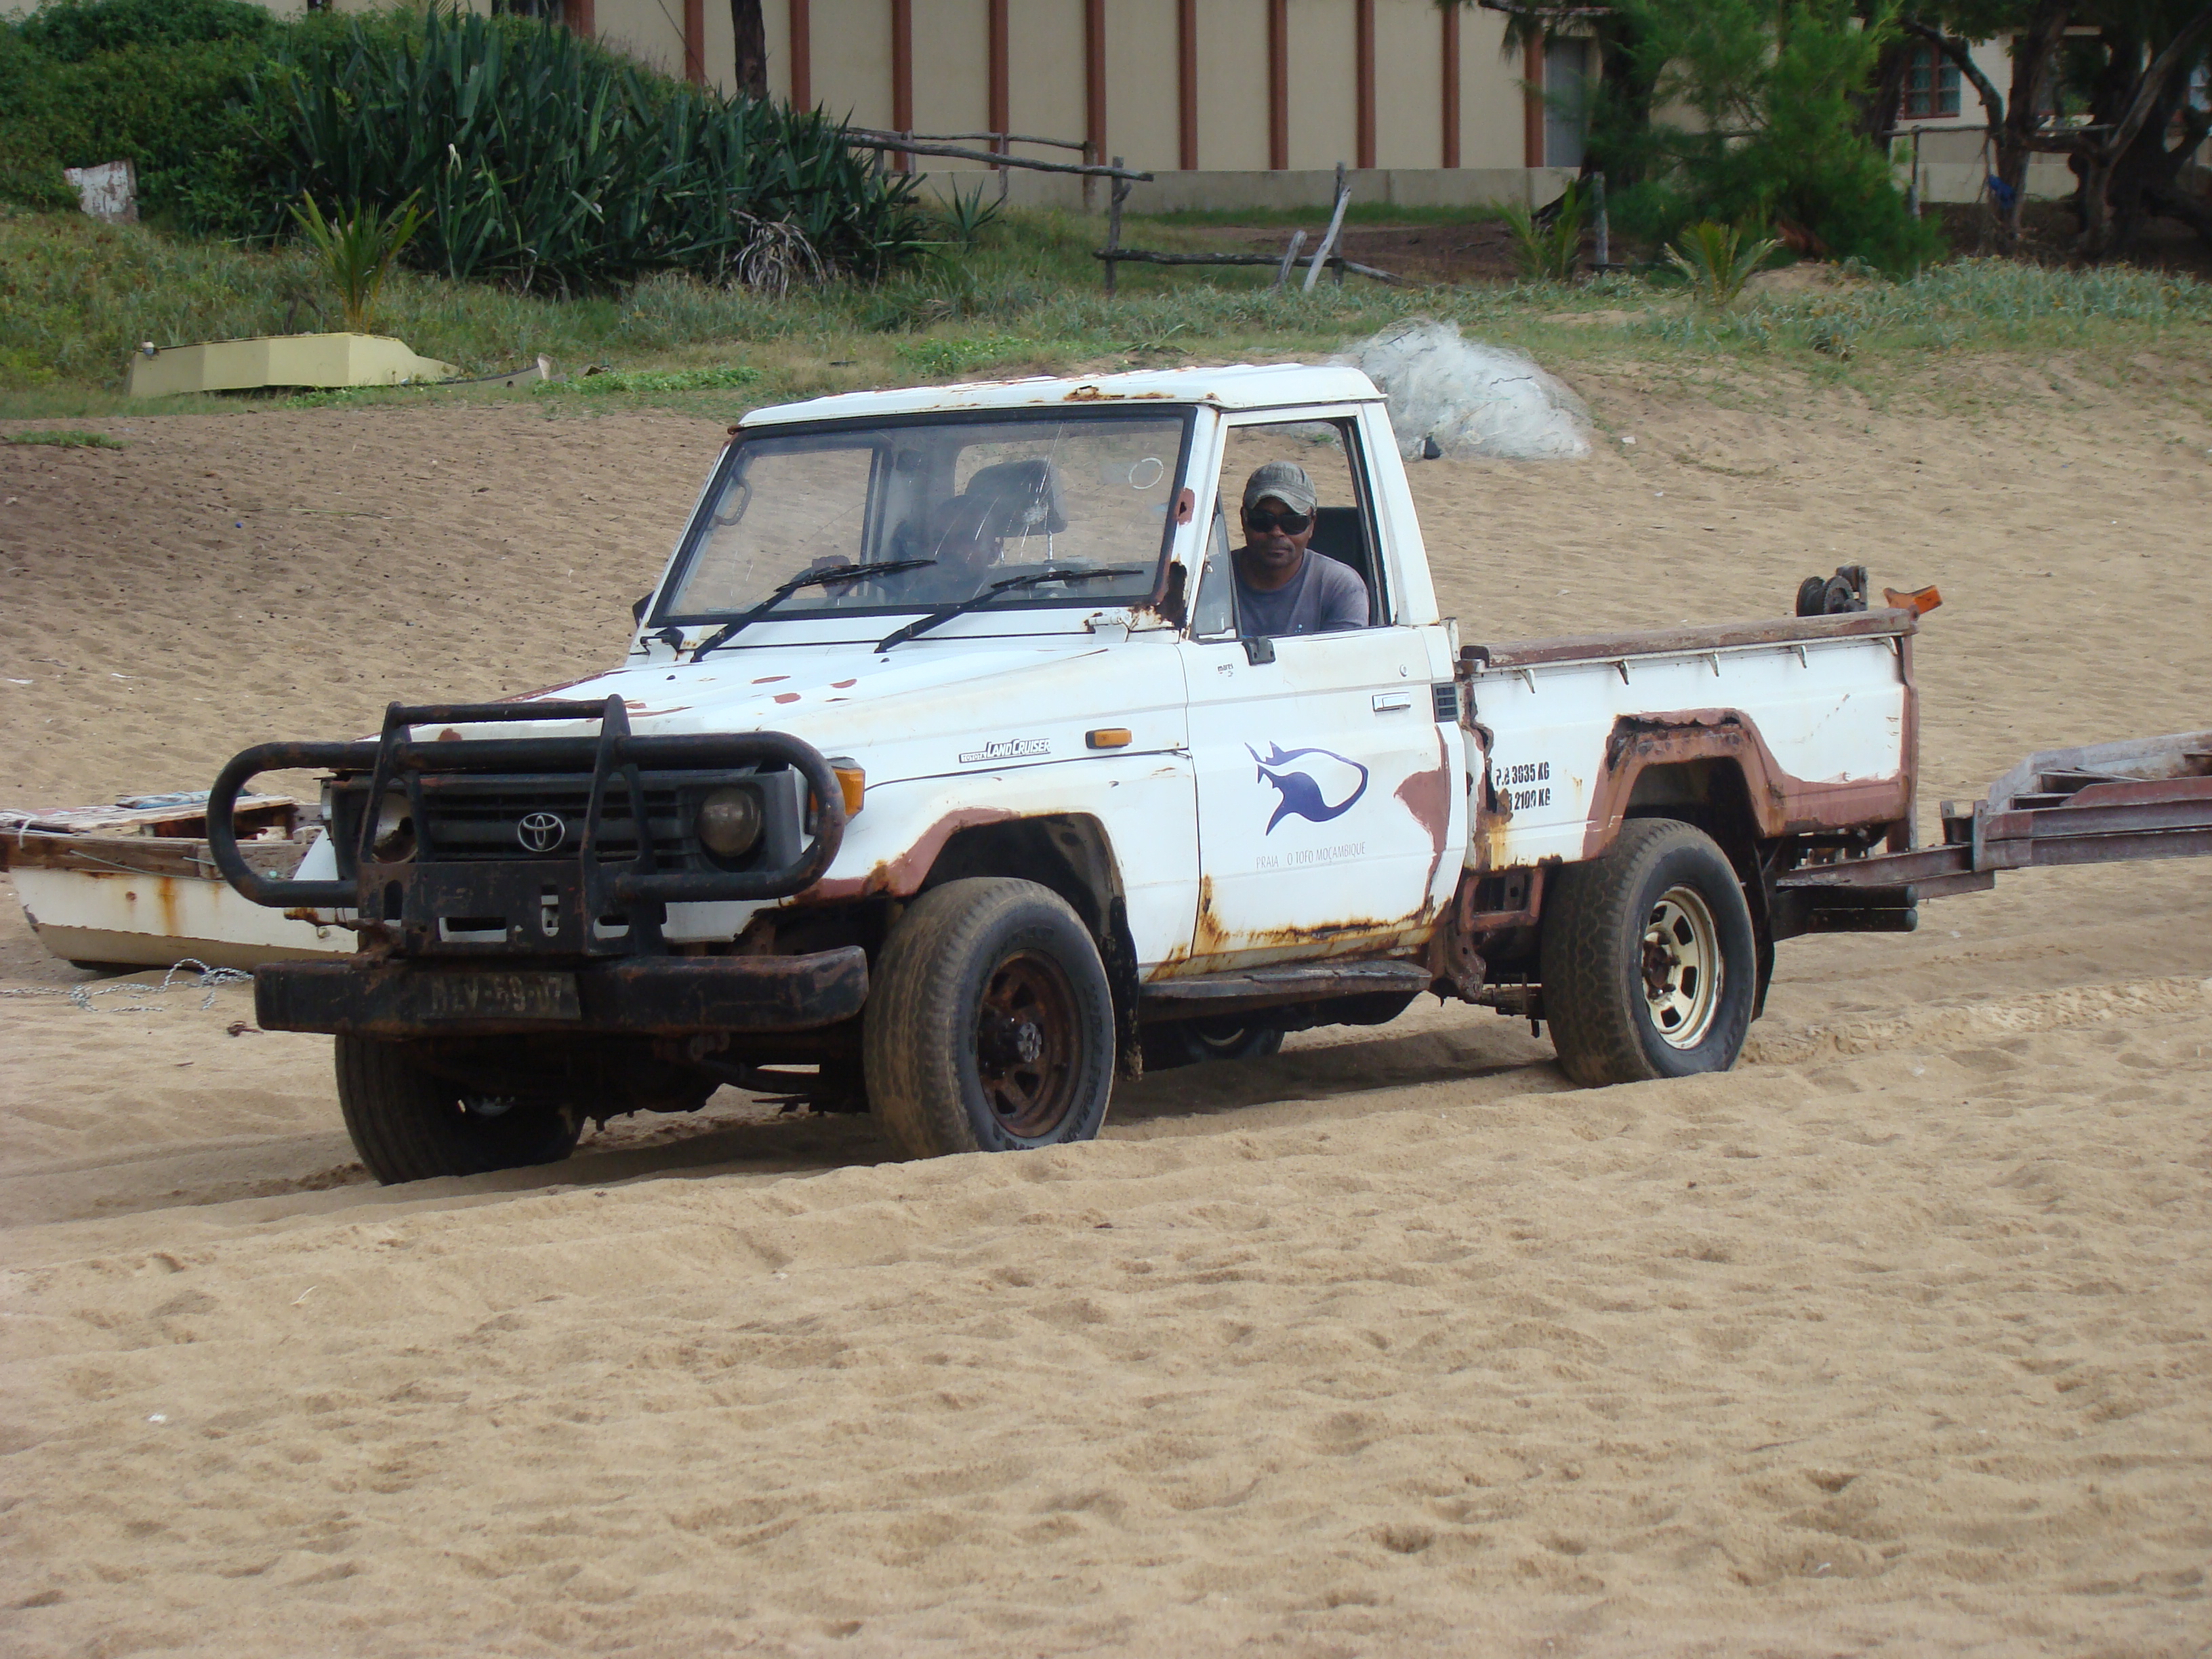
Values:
[(70, 31), (1776, 141), (175, 111), (541, 162)]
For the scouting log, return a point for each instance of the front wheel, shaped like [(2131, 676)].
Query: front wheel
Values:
[(989, 1026), (410, 1124), (1650, 961)]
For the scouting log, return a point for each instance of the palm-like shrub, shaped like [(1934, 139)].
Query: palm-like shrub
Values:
[(1545, 247), (1718, 261), (357, 250)]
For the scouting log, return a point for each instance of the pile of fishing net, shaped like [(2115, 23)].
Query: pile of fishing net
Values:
[(1457, 399)]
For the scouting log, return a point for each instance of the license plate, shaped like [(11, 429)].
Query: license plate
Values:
[(503, 996)]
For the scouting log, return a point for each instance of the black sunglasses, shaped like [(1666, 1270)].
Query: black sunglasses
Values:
[(1291, 524)]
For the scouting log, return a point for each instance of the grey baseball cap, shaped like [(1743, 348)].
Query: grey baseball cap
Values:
[(1285, 481)]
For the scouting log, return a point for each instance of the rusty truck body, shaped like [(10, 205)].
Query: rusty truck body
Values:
[(942, 780)]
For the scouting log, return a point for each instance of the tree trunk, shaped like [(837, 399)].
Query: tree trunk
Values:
[(1880, 102), (751, 36), (2035, 52), (1621, 119)]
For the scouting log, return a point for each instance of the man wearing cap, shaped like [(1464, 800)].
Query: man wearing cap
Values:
[(1281, 587)]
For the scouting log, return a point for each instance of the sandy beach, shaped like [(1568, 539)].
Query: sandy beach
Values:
[(1893, 1341)]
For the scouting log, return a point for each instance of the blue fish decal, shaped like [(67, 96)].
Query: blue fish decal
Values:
[(1304, 795)]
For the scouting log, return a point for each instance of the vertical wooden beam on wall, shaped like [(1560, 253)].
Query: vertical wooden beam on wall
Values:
[(1002, 120), (801, 16), (695, 41), (1363, 69), (1187, 83), (1531, 103), (1279, 84), (901, 77), (1094, 79), (578, 15), (1451, 83)]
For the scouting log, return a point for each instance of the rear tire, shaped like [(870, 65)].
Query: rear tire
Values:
[(1651, 965), (1197, 1041), (410, 1124), (989, 1025)]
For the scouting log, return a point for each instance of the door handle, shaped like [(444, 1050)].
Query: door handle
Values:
[(1392, 702)]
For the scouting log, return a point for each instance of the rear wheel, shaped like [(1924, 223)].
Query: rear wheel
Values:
[(989, 1025), (1650, 961), (1195, 1042), (410, 1124)]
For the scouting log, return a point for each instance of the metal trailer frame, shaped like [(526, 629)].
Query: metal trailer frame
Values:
[(2144, 798)]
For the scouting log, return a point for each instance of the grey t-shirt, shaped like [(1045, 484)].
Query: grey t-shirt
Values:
[(1323, 596)]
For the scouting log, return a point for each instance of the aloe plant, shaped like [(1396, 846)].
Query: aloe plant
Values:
[(358, 249), (1718, 262), (543, 162), (968, 216)]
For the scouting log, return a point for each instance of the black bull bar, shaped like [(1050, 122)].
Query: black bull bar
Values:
[(382, 991)]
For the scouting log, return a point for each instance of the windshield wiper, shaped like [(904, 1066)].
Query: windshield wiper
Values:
[(843, 573), (1034, 579)]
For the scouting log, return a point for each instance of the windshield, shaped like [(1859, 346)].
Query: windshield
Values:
[(975, 502)]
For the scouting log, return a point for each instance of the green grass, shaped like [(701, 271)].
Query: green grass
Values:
[(66, 440), (82, 296)]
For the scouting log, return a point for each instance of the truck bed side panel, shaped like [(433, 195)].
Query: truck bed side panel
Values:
[(1822, 730)]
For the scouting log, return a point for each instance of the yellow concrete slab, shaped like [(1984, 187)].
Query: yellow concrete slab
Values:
[(281, 359)]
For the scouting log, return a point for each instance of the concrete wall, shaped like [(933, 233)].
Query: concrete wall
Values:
[(951, 68), (1409, 84), (1232, 85), (851, 70)]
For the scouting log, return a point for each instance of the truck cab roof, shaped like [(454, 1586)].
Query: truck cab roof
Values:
[(1239, 386)]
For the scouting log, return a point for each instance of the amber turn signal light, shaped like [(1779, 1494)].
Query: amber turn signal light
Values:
[(1109, 736), (852, 781)]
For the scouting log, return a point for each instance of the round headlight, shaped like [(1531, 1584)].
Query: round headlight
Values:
[(394, 841), (729, 822)]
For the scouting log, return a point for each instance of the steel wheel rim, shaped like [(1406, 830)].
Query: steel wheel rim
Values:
[(1028, 1045), (1681, 968)]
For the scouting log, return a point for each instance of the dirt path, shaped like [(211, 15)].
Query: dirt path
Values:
[(1890, 1340)]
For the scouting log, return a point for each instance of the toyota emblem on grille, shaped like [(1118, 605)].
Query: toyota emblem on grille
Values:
[(541, 832)]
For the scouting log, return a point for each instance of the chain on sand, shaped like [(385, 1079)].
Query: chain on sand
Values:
[(207, 979)]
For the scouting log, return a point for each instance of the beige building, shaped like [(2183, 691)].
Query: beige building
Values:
[(1230, 102)]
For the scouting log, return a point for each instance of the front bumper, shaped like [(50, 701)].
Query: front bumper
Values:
[(651, 996)]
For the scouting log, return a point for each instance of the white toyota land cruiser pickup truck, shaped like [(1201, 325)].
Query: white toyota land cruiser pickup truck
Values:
[(941, 782)]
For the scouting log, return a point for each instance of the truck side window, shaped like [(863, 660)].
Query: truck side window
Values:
[(1214, 616), (1328, 452)]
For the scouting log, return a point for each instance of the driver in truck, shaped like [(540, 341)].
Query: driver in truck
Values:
[(1282, 588)]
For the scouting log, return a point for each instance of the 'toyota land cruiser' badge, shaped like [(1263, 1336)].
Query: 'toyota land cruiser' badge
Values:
[(1012, 749)]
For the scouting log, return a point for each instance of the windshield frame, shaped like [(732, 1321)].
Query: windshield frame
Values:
[(696, 531)]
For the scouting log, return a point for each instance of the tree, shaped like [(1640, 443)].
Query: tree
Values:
[(749, 34), (2132, 77), (1620, 143), (1779, 88)]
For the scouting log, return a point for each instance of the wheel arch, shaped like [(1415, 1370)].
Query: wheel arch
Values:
[(1711, 792)]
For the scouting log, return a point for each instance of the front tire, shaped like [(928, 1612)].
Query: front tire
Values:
[(1650, 960), (410, 1124), (990, 1024)]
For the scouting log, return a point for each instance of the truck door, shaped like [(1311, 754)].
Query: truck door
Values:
[(1323, 769)]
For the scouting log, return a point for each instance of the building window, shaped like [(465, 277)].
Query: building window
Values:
[(1931, 84)]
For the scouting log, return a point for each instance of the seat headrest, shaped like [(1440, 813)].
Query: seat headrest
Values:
[(1025, 495)]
